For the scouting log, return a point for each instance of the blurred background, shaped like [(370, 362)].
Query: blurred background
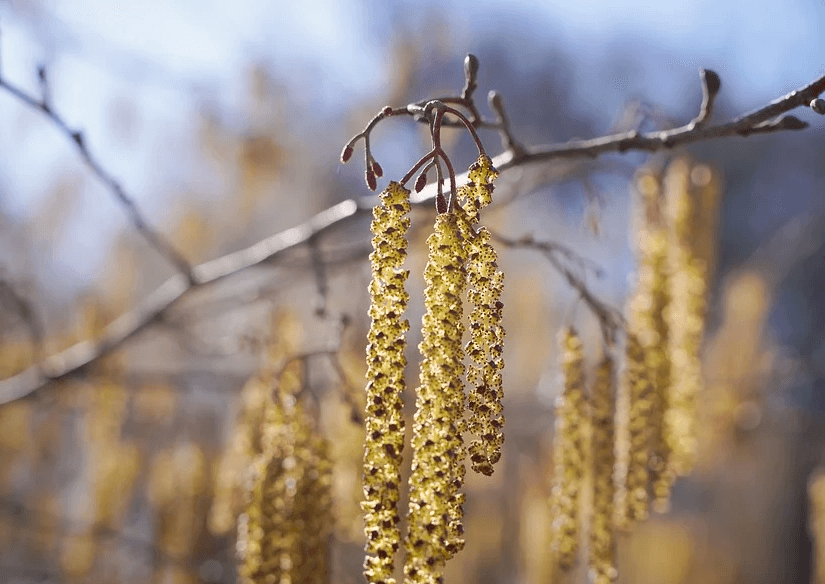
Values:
[(225, 124)]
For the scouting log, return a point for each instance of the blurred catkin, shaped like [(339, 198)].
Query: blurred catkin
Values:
[(633, 436), (177, 489), (690, 190), (283, 535), (816, 524), (602, 552), (647, 321), (435, 507), (245, 443), (569, 452), (384, 420)]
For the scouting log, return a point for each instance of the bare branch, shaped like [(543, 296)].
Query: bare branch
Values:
[(44, 106), (610, 317), (155, 307)]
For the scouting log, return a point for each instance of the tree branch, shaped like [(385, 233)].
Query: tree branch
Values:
[(44, 106), (74, 359)]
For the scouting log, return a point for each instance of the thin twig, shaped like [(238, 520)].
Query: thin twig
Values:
[(44, 106), (610, 317), (9, 295), (155, 307)]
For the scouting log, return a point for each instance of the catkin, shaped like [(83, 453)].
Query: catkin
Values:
[(635, 430), (686, 316), (648, 323), (283, 535), (569, 452), (234, 465), (177, 481), (602, 552), (384, 419), (816, 524), (435, 506), (486, 346)]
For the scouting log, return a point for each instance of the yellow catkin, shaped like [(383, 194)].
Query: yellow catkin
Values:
[(435, 507), (232, 468), (648, 323), (115, 463), (384, 421), (177, 486), (569, 452), (686, 316), (633, 500), (816, 524), (283, 535), (234, 465), (602, 552), (486, 346)]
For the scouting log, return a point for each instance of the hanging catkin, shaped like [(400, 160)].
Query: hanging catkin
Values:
[(384, 419), (569, 452)]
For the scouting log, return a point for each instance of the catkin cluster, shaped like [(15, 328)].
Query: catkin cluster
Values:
[(665, 328), (642, 436), (384, 418), (460, 259), (283, 535)]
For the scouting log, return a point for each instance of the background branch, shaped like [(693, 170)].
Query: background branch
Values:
[(154, 308), (140, 223)]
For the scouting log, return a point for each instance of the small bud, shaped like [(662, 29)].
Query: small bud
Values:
[(376, 168), (370, 176), (387, 111), (470, 66), (346, 154), (420, 182), (818, 105)]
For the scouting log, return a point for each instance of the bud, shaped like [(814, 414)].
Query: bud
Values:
[(470, 66), (420, 182), (376, 168), (818, 105), (346, 154), (370, 176)]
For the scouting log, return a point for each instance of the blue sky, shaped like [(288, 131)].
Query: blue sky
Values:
[(166, 58)]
